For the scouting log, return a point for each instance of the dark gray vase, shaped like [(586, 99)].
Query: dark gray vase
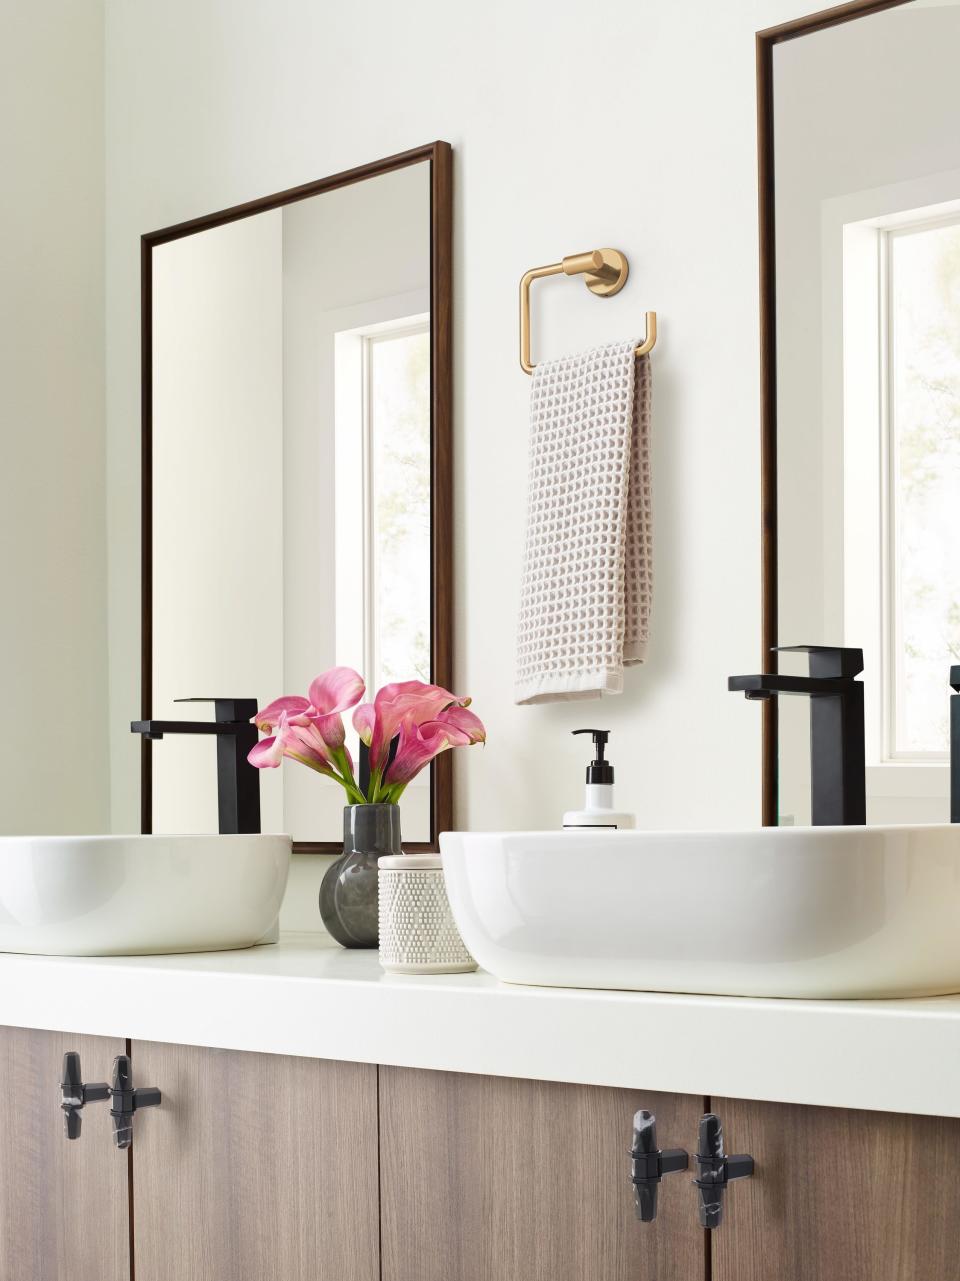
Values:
[(348, 892)]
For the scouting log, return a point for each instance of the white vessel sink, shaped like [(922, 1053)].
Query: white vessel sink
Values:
[(137, 895), (843, 912)]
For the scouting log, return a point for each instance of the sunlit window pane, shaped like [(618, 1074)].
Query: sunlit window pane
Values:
[(400, 456), (924, 510)]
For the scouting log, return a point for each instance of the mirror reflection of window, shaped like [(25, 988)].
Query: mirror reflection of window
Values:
[(922, 523), (400, 519), (901, 376), (383, 453), (382, 450)]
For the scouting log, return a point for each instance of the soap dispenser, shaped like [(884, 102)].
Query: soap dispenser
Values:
[(598, 808)]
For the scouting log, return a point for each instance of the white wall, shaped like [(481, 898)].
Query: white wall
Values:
[(53, 636), (562, 144)]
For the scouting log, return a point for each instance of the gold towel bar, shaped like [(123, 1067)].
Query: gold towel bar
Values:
[(605, 273)]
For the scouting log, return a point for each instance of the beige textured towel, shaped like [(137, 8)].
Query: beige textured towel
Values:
[(587, 573)]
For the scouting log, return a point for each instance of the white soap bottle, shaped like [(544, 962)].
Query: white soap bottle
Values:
[(598, 810)]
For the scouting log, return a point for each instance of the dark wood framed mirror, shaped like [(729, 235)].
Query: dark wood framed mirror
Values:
[(859, 191), (297, 508)]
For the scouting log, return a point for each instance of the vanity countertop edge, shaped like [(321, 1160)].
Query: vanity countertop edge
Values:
[(308, 998)]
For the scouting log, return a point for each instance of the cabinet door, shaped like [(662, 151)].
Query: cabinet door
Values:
[(63, 1205), (255, 1167), (840, 1196), (488, 1179)]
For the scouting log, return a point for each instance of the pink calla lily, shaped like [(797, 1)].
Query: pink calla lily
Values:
[(378, 723), (336, 690), (311, 738), (467, 722), (330, 729), (364, 720), (290, 705), (298, 742), (418, 745), (331, 693), (267, 754)]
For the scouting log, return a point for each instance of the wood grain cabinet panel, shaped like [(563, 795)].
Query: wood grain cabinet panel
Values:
[(488, 1179), (840, 1195), (63, 1205), (256, 1167)]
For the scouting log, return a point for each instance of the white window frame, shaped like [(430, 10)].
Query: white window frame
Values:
[(355, 589), (367, 339)]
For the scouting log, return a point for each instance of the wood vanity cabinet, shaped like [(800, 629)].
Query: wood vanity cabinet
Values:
[(259, 1167), (503, 1180), (63, 1206), (840, 1195), (491, 1179), (256, 1167)]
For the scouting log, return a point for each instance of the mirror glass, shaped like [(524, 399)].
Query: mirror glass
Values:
[(291, 477), (867, 214)]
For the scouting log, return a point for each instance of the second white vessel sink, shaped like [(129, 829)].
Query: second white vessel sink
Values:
[(139, 895), (843, 912)]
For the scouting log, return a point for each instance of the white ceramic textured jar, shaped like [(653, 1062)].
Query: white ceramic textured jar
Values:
[(417, 930)]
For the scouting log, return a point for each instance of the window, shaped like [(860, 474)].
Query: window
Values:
[(382, 434), (398, 541), (919, 331)]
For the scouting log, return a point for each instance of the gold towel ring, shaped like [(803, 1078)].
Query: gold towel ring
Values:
[(605, 273)]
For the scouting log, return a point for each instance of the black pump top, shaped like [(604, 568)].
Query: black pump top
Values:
[(599, 770)]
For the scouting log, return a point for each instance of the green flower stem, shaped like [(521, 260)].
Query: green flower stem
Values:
[(355, 796), (373, 791), (342, 761), (320, 769)]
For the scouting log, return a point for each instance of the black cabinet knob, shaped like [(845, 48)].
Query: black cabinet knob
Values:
[(125, 1101), (74, 1095), (715, 1170), (648, 1164)]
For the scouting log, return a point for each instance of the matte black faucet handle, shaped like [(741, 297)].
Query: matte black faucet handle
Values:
[(648, 1164), (228, 709), (715, 1170), (74, 1095), (827, 660), (125, 1101)]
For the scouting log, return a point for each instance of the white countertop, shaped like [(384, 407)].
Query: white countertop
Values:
[(308, 997)]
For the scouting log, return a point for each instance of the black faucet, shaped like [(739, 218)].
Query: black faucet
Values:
[(837, 761), (238, 782)]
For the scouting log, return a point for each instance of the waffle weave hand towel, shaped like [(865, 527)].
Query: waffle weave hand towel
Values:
[(587, 573)]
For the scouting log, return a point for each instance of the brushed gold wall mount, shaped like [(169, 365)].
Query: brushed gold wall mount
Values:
[(604, 272)]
